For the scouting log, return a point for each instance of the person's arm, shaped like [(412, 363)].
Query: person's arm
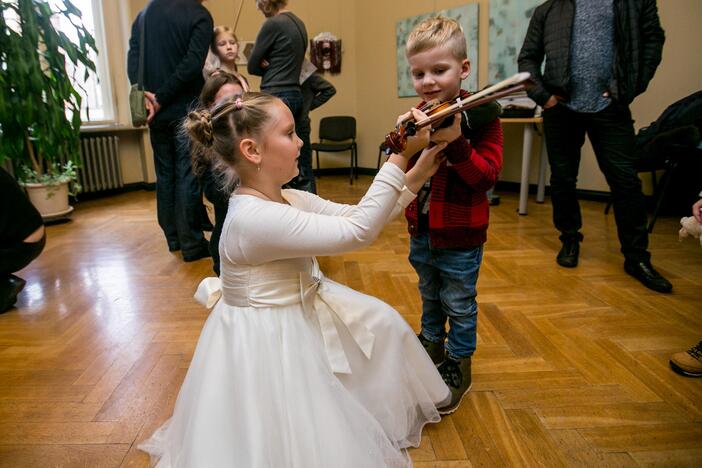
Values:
[(652, 39), (283, 231), (190, 66), (425, 167), (264, 41), (532, 55), (133, 53), (322, 89)]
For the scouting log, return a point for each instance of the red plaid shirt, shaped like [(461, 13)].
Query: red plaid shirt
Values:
[(458, 205)]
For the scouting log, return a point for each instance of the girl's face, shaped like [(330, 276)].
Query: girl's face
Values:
[(227, 47), (281, 145)]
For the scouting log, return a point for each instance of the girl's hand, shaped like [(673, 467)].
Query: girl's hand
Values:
[(448, 134), (426, 166), (421, 139)]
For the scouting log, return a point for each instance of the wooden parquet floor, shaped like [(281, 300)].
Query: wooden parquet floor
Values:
[(571, 368)]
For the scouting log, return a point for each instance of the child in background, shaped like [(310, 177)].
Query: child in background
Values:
[(448, 220), (222, 55)]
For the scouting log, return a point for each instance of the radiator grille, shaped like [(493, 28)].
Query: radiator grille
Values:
[(101, 167)]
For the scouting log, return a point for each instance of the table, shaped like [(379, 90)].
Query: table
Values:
[(530, 125)]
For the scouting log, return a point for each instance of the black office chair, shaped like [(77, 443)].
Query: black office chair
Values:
[(338, 134)]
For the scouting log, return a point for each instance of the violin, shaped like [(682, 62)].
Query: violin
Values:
[(438, 112)]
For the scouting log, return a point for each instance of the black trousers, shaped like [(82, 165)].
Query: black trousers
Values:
[(177, 189), (611, 132)]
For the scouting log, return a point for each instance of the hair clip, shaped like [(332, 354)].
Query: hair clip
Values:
[(238, 103)]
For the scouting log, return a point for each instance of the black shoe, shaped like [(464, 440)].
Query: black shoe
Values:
[(649, 277), (202, 252), (568, 255), (9, 290), (435, 350), (457, 375), (173, 248)]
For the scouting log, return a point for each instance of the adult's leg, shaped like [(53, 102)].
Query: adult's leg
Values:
[(305, 180), (164, 164), (565, 136), (611, 132), (187, 200)]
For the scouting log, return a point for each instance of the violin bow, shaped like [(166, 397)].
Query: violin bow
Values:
[(504, 88)]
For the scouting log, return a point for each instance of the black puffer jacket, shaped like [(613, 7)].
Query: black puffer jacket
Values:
[(638, 39)]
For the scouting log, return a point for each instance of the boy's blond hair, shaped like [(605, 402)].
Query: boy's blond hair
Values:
[(438, 31)]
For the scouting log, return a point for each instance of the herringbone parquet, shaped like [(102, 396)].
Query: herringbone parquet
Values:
[(571, 367)]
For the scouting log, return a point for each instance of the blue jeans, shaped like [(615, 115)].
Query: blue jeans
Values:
[(177, 189), (447, 284)]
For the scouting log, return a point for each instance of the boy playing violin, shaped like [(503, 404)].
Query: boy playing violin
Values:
[(449, 218)]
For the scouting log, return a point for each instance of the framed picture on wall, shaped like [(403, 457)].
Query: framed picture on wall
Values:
[(245, 48)]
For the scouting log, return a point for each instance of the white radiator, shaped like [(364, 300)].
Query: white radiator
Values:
[(101, 168)]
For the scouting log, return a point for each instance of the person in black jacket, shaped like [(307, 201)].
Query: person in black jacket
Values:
[(22, 238), (177, 34), (600, 55)]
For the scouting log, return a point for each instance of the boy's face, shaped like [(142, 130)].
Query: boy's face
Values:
[(437, 74)]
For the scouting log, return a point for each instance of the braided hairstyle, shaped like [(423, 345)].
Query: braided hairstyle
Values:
[(217, 132)]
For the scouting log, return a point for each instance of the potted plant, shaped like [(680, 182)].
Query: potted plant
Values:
[(39, 105)]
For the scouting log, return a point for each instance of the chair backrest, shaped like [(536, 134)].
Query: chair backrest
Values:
[(337, 128)]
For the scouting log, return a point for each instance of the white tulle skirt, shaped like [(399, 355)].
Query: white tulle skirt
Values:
[(260, 392)]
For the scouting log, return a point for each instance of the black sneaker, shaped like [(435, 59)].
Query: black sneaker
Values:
[(568, 255), (9, 290), (435, 350), (456, 374), (202, 252)]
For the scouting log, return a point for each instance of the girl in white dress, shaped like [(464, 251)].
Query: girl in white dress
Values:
[(293, 369)]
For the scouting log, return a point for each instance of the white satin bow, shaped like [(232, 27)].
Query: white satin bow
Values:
[(312, 296)]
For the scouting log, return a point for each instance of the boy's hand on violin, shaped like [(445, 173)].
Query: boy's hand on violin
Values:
[(421, 139), (448, 134)]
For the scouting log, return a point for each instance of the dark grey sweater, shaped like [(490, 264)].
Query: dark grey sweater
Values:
[(282, 42)]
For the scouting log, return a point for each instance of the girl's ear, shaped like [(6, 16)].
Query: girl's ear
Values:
[(250, 150), (465, 69)]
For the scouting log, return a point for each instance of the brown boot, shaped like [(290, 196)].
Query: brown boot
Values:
[(456, 374), (688, 363)]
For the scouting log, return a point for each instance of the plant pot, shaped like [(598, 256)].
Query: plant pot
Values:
[(50, 200)]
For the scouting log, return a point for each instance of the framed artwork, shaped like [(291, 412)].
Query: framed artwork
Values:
[(245, 48), (467, 17), (509, 21)]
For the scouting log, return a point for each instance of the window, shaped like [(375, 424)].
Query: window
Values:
[(96, 93)]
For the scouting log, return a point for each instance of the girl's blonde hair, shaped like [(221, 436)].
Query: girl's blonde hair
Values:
[(218, 131), (434, 32)]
